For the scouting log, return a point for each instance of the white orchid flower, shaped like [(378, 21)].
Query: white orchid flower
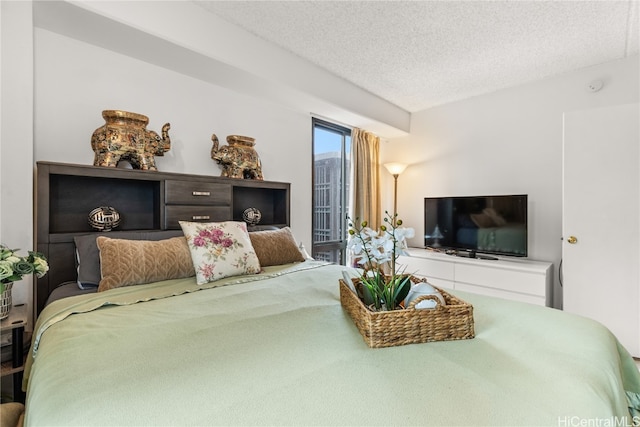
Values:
[(401, 235), (355, 245)]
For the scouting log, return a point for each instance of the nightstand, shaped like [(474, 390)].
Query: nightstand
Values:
[(15, 323)]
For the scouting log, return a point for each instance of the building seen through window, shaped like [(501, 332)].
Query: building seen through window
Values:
[(331, 171)]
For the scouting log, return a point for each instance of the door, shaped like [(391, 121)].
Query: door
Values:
[(601, 219)]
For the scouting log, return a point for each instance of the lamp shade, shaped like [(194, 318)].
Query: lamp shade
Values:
[(395, 168)]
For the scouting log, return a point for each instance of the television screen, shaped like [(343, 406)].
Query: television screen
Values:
[(485, 224)]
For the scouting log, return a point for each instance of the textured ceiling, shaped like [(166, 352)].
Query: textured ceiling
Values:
[(418, 54)]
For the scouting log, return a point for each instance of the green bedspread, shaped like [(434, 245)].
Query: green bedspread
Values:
[(281, 351)]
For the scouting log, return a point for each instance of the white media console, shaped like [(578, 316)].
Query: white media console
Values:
[(518, 279)]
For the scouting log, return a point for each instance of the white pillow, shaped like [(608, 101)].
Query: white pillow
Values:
[(220, 249)]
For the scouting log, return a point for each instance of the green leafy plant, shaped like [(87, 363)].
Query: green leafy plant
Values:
[(376, 252), (13, 267)]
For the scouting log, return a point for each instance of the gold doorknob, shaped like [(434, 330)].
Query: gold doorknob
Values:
[(572, 240)]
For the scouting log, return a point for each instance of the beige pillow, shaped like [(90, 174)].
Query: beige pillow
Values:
[(275, 247), (136, 262)]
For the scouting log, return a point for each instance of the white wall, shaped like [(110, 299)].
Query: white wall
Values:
[(182, 36), (506, 142), (16, 133), (75, 81)]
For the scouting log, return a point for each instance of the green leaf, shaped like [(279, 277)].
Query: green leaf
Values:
[(402, 289)]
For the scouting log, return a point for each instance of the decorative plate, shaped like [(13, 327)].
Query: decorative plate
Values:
[(104, 218), (252, 216)]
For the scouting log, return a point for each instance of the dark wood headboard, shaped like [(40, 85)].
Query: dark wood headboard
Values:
[(146, 200)]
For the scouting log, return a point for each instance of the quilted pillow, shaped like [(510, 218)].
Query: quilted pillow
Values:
[(88, 255), (136, 262), (275, 247), (220, 249)]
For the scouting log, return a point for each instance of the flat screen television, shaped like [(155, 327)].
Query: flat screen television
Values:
[(483, 224)]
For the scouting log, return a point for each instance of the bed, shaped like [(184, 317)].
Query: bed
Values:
[(277, 348), (160, 344)]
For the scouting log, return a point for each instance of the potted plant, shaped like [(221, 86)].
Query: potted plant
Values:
[(374, 299), (376, 251), (12, 268)]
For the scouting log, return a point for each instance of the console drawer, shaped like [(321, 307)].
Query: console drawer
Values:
[(522, 282), (197, 193), (429, 268), (175, 213)]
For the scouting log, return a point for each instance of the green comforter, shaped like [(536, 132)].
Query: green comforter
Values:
[(281, 351)]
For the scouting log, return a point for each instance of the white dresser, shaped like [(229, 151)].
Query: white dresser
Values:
[(516, 279)]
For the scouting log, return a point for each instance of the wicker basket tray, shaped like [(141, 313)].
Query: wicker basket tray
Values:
[(453, 321)]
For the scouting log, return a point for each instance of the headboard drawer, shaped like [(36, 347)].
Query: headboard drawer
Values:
[(175, 213), (197, 193)]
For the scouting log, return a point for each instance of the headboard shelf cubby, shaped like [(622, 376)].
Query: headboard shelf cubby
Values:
[(146, 201), (73, 197)]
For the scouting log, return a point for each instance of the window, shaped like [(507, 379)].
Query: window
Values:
[(331, 168)]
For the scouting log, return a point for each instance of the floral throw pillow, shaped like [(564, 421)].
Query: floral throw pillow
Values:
[(220, 249)]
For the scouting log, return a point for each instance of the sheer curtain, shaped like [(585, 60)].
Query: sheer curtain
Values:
[(364, 199)]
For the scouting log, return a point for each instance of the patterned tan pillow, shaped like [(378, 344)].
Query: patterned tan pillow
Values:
[(136, 262), (275, 247), (220, 249)]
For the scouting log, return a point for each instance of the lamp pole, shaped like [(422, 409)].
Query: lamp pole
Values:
[(395, 169), (395, 197)]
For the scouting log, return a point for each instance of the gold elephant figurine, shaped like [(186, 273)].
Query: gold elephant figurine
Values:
[(238, 159), (124, 137)]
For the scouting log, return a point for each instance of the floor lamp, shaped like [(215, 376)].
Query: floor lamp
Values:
[(395, 169)]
